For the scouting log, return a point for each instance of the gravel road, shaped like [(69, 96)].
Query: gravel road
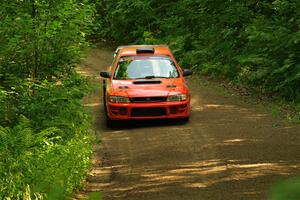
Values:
[(229, 150)]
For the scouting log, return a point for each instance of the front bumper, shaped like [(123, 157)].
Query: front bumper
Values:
[(157, 110)]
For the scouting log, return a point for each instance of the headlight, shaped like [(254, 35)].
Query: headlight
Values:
[(178, 97), (118, 99)]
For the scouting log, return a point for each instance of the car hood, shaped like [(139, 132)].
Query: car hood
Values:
[(147, 87)]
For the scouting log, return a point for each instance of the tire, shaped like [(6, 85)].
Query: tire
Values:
[(109, 122), (104, 101), (185, 120)]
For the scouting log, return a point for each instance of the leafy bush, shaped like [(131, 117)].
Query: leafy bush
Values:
[(50, 153), (42, 39), (45, 143)]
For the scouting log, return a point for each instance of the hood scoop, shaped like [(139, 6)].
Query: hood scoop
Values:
[(146, 82), (123, 87)]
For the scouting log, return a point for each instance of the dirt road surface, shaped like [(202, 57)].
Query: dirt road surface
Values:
[(229, 150)]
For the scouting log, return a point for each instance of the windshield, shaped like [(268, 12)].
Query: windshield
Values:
[(141, 67)]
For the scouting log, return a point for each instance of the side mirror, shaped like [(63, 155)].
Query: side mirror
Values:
[(187, 72), (105, 74)]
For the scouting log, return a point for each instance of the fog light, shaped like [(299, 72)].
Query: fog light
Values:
[(118, 110), (183, 106), (123, 111)]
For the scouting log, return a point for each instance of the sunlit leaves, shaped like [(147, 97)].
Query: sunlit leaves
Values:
[(42, 39)]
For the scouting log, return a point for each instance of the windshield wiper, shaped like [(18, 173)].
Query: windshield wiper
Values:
[(150, 77)]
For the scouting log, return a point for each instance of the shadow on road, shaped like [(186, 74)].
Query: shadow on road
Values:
[(135, 124)]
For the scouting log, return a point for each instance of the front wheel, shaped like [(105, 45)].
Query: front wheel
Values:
[(104, 101), (109, 122), (184, 120)]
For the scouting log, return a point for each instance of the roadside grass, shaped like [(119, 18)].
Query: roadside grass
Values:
[(94, 196), (286, 190)]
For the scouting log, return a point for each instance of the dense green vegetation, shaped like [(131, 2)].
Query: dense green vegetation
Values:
[(45, 144), (254, 43)]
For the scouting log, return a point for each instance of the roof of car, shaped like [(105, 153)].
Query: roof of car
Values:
[(131, 50)]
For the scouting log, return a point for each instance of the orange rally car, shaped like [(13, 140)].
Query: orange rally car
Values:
[(145, 82)]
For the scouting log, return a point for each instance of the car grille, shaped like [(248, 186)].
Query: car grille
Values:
[(147, 99), (148, 112)]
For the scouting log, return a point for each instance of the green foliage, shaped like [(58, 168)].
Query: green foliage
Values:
[(50, 153), (95, 196), (41, 39), (121, 16), (45, 143), (286, 190)]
